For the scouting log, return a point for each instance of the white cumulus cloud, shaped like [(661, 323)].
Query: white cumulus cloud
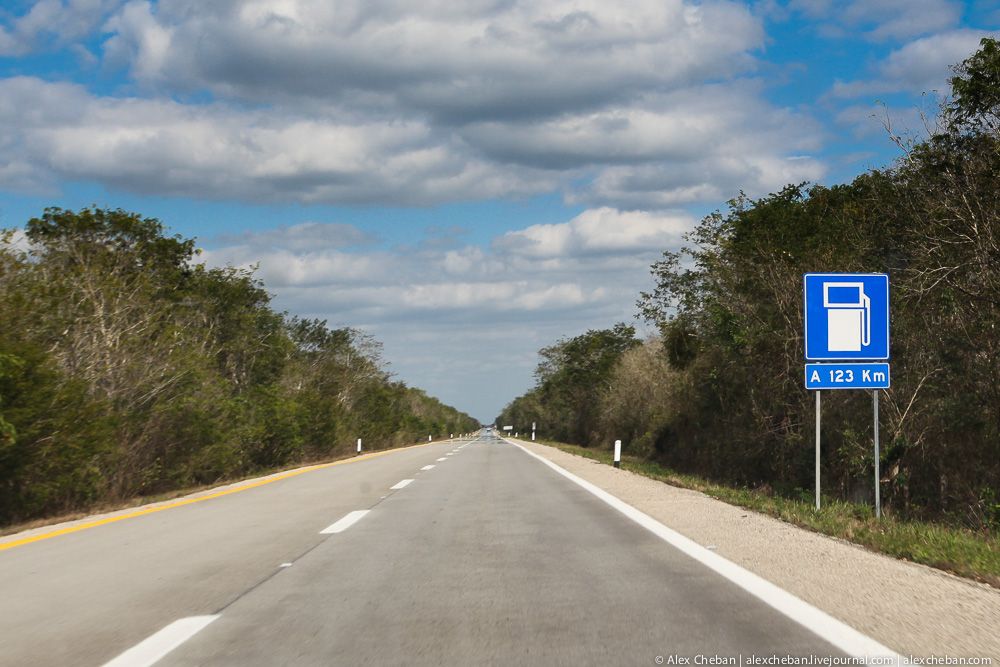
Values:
[(881, 20), (920, 66), (390, 102), (51, 132), (597, 231), (52, 23)]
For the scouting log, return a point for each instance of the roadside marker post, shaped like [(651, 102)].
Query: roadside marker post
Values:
[(532, 431), (846, 321), (359, 445), (618, 453)]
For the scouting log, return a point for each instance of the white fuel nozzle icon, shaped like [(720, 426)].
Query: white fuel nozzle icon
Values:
[(849, 322)]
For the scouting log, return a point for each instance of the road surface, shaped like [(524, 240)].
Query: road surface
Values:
[(487, 557)]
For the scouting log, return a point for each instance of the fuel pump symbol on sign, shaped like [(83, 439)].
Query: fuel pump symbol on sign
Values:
[(849, 316)]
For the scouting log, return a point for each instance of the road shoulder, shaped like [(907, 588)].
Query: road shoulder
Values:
[(910, 608)]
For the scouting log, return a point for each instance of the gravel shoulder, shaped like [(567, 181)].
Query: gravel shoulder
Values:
[(913, 609)]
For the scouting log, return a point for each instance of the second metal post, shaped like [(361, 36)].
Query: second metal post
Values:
[(878, 495)]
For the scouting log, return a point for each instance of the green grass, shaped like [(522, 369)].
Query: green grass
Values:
[(960, 551)]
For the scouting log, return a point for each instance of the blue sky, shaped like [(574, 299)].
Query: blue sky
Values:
[(466, 181)]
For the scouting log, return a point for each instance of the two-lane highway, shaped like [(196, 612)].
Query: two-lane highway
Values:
[(470, 552)]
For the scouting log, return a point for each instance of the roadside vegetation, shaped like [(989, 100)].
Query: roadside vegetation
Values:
[(718, 393), (128, 369)]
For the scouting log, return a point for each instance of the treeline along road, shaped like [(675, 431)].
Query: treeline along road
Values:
[(719, 391), (128, 368)]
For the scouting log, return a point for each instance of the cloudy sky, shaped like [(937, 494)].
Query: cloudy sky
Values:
[(466, 180)]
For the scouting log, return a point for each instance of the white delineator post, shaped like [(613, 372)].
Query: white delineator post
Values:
[(618, 453), (359, 445), (429, 438)]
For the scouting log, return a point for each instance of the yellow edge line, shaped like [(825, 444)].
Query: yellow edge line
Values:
[(190, 501)]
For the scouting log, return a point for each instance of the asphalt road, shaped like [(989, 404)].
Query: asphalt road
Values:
[(487, 558)]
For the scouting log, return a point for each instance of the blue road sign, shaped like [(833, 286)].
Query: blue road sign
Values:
[(846, 316), (847, 376)]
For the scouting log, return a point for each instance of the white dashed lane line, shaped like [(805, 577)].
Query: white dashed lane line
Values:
[(156, 646), (150, 650), (346, 522)]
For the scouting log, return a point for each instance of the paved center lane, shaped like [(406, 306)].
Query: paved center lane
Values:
[(491, 558)]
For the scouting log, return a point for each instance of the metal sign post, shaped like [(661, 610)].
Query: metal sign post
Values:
[(846, 318), (878, 499), (817, 447)]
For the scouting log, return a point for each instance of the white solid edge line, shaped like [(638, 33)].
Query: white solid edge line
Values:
[(344, 523), (837, 633), (153, 648), (399, 485)]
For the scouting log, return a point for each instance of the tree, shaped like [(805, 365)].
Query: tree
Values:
[(976, 90), (570, 379), (8, 434), (62, 437)]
